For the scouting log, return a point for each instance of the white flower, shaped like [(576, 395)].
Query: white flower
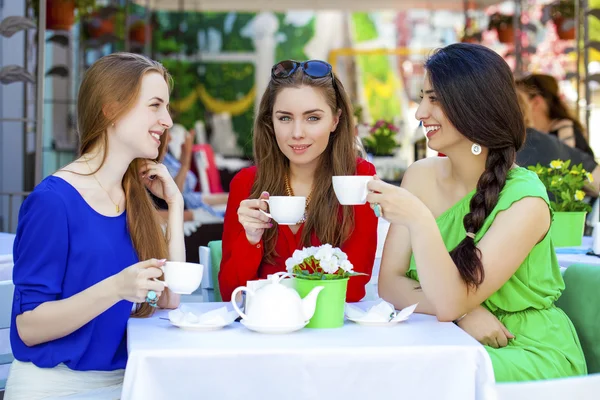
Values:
[(310, 251), (290, 264), (325, 252), (340, 254), (299, 256), (347, 266), (330, 265)]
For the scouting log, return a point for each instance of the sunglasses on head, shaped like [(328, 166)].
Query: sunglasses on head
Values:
[(312, 68)]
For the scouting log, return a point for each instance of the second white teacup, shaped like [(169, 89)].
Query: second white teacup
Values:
[(286, 210), (182, 277), (351, 189)]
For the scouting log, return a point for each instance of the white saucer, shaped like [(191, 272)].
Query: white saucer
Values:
[(376, 323), (208, 321), (273, 329), (201, 327)]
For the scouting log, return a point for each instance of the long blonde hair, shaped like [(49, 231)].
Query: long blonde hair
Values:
[(339, 158), (110, 89)]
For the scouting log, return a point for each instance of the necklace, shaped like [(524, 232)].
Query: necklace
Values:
[(290, 192), (94, 175)]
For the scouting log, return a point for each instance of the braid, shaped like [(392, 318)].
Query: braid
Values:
[(466, 255)]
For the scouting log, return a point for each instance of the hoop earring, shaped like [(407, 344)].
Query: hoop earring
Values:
[(476, 149)]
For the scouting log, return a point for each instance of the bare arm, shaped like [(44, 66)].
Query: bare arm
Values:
[(394, 286), (53, 320), (503, 249), (565, 132), (592, 188), (216, 199), (185, 160)]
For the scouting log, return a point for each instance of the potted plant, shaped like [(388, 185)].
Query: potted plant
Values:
[(503, 24), (566, 187), (60, 14), (137, 32), (563, 15), (382, 139), (326, 266), (103, 22), (472, 37)]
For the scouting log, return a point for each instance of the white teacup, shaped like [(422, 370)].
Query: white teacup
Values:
[(351, 189), (182, 277), (286, 210)]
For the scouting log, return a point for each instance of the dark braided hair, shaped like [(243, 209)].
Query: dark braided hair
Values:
[(476, 90)]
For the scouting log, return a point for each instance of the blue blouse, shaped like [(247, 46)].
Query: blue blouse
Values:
[(63, 247)]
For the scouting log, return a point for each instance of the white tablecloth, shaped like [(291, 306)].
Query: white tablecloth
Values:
[(420, 358), (568, 256)]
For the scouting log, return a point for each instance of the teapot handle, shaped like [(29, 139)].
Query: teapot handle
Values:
[(282, 275), (234, 303)]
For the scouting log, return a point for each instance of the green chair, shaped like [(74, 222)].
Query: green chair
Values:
[(581, 302), (210, 257), (216, 253)]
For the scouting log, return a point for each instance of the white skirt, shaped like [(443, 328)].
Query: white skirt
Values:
[(28, 382)]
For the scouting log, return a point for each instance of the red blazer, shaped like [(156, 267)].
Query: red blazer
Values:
[(243, 262)]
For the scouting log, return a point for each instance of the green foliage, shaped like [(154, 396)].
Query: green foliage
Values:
[(379, 81), (565, 184), (382, 139)]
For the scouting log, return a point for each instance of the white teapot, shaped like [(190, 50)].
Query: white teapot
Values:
[(277, 305)]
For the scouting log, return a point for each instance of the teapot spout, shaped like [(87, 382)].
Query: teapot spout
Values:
[(309, 303)]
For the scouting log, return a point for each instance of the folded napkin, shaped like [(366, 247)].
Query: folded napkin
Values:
[(184, 316), (380, 312)]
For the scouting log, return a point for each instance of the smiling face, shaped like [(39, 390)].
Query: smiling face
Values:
[(303, 122), (139, 131), (441, 133)]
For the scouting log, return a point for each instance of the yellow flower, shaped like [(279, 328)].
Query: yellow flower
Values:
[(589, 177), (579, 195), (574, 172), (556, 164)]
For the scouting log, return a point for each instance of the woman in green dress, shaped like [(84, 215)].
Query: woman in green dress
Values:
[(469, 238)]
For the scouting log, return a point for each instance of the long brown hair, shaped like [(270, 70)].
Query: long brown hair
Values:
[(110, 89), (476, 90), (339, 158), (547, 87)]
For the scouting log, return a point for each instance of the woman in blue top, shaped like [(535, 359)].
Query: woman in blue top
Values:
[(89, 243)]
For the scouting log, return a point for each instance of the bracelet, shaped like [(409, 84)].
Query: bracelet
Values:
[(456, 321)]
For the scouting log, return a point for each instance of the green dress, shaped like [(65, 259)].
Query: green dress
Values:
[(546, 344)]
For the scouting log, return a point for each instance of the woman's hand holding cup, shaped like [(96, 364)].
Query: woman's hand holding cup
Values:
[(252, 219), (134, 282)]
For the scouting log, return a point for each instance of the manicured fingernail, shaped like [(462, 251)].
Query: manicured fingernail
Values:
[(162, 261), (270, 225)]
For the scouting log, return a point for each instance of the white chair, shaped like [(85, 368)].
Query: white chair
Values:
[(7, 289), (6, 297), (201, 161), (580, 388), (206, 286)]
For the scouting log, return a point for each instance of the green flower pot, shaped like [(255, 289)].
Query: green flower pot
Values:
[(567, 228), (331, 301)]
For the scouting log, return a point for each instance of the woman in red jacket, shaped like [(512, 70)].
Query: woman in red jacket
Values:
[(303, 135)]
